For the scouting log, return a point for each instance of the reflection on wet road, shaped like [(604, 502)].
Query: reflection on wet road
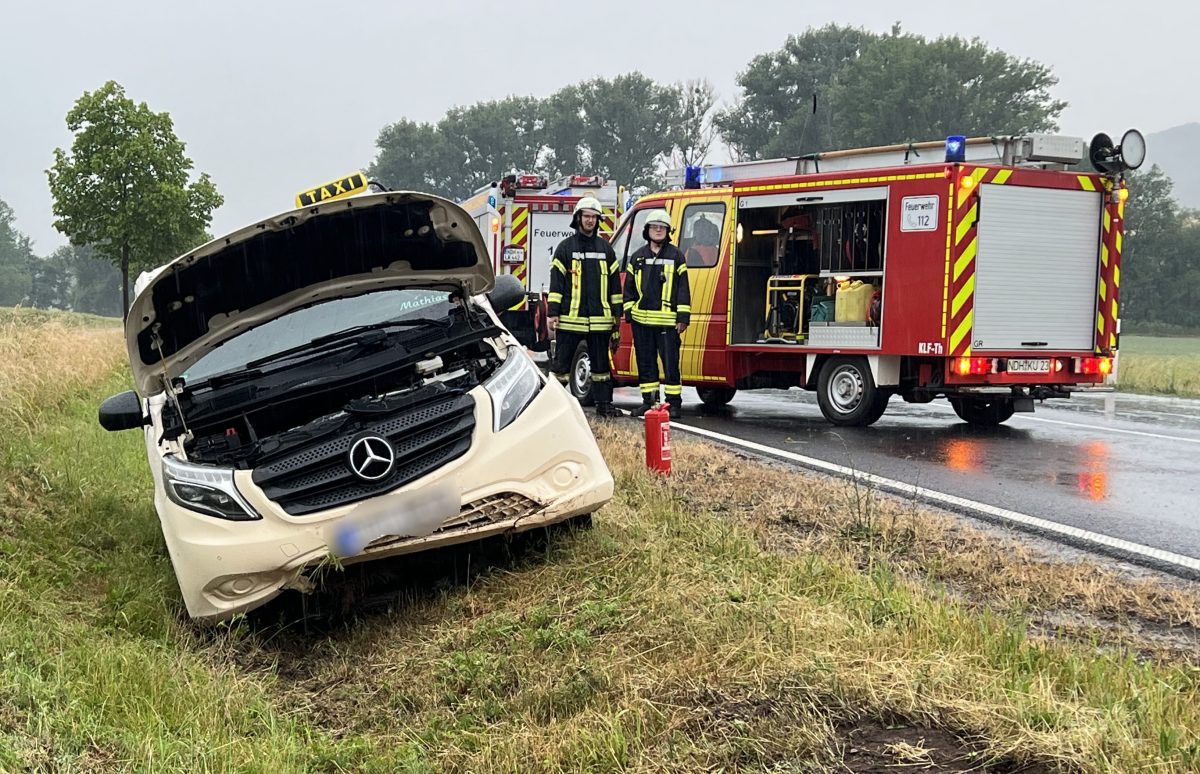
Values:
[(1124, 466)]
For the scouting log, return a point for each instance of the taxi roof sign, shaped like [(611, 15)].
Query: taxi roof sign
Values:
[(349, 185)]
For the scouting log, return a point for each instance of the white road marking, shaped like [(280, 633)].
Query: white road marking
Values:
[(931, 495), (1101, 429)]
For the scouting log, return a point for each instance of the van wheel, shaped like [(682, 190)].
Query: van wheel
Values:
[(847, 394), (984, 412), (581, 376), (715, 397)]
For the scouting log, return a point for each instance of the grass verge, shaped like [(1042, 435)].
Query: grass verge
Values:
[(736, 616), (1160, 365)]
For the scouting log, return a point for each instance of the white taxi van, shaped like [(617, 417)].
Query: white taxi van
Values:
[(334, 382)]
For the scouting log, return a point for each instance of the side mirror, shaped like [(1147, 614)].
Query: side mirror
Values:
[(122, 412), (507, 293)]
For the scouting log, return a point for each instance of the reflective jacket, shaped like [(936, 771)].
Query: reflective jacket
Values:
[(585, 284), (656, 287)]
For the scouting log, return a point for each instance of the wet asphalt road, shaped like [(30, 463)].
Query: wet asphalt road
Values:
[(1126, 466)]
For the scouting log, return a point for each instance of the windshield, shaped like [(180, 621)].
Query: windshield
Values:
[(303, 325)]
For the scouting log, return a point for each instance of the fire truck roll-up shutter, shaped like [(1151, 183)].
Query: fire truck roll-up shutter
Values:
[(1036, 268)]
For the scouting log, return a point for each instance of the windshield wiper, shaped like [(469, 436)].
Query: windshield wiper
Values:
[(407, 322)]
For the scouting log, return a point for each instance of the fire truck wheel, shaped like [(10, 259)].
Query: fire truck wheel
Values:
[(715, 397), (847, 394), (581, 375), (986, 412)]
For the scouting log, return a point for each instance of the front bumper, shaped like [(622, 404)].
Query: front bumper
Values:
[(543, 468)]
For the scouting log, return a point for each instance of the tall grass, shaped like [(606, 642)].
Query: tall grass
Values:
[(735, 617), (1165, 366)]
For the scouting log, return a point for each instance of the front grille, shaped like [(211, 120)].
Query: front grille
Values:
[(506, 506), (425, 436)]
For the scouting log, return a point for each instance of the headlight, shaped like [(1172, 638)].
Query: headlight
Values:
[(205, 489), (512, 387)]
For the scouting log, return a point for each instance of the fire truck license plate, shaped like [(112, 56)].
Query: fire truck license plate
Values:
[(1027, 366)]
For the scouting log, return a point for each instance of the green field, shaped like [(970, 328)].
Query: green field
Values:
[(1163, 365), (733, 617)]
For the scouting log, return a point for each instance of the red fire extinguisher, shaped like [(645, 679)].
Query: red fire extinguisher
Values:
[(658, 439)]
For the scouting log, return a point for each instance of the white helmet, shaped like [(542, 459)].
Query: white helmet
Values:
[(660, 217), (586, 204), (657, 217), (589, 203)]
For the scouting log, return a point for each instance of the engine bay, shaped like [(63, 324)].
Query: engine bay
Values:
[(243, 424)]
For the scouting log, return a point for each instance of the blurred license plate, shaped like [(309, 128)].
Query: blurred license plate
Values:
[(1028, 366)]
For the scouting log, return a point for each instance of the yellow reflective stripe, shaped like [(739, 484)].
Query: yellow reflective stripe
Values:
[(965, 224), (967, 289), (681, 269), (557, 264), (576, 293), (629, 305), (965, 259), (684, 308), (653, 317), (1086, 183), (649, 386), (600, 377), (616, 299), (555, 298), (673, 389)]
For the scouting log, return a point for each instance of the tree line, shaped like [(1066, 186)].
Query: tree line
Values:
[(125, 197)]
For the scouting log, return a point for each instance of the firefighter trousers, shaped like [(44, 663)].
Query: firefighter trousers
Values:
[(597, 346), (652, 342)]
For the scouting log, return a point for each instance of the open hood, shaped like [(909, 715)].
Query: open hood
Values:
[(344, 247)]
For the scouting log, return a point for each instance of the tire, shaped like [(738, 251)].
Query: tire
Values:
[(580, 376), (715, 397), (983, 412), (880, 406), (847, 394)]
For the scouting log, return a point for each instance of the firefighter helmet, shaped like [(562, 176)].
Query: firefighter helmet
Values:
[(658, 217), (586, 204), (589, 203)]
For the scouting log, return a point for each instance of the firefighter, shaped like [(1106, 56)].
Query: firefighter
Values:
[(658, 306), (585, 301)]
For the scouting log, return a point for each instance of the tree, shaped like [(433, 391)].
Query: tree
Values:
[(905, 88), (776, 116), (488, 139), (695, 132), (882, 89), (51, 281), (124, 187), (621, 128), (95, 282), (1151, 249), (412, 156), (16, 255)]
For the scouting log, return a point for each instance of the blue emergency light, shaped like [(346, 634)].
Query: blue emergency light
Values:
[(492, 201), (956, 148), (692, 176)]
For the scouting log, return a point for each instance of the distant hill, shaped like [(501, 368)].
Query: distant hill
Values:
[(1177, 152)]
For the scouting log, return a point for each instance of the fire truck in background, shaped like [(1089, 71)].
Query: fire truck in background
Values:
[(990, 277), (523, 217)]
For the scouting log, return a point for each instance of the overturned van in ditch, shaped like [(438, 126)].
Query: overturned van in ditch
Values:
[(335, 381)]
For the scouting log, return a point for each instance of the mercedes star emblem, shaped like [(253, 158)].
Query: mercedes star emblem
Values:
[(372, 458)]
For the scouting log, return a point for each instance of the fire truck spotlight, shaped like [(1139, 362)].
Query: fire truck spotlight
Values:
[(1107, 157)]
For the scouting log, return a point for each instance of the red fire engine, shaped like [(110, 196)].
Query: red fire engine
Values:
[(990, 278)]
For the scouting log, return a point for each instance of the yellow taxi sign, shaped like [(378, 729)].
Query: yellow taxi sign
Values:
[(334, 189)]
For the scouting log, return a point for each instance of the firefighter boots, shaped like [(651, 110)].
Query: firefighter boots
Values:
[(675, 407)]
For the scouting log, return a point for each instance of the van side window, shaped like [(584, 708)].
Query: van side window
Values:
[(700, 239), (630, 240)]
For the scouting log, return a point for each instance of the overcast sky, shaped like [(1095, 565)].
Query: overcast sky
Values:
[(272, 97)]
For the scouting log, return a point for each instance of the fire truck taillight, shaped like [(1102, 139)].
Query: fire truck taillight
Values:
[(973, 366), (1056, 365), (1092, 366)]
